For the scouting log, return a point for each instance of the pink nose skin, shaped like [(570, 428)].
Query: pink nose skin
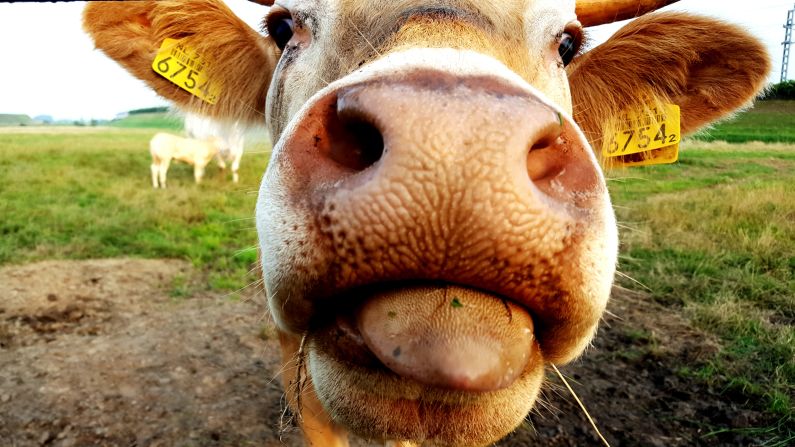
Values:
[(427, 176), (432, 115)]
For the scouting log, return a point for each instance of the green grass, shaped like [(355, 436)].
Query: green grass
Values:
[(158, 120), (714, 235), (80, 195), (767, 121)]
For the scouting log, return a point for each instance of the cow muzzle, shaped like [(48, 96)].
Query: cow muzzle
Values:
[(446, 228)]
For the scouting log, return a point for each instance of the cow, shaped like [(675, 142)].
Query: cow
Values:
[(435, 227), (231, 135), (165, 147)]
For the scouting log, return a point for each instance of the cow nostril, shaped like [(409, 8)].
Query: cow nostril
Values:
[(543, 143), (561, 167), (356, 142), (541, 158)]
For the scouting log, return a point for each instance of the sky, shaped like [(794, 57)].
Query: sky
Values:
[(50, 66)]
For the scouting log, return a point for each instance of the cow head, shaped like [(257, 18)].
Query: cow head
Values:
[(434, 222)]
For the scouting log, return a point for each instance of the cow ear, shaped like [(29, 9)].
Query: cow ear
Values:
[(707, 67), (238, 59)]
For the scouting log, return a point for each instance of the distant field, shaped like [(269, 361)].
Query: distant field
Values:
[(87, 194), (150, 121), (712, 237), (768, 121)]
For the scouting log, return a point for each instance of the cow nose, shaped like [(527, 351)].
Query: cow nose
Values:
[(429, 176), (426, 118), (365, 113)]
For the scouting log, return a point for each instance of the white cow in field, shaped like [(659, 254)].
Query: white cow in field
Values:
[(165, 147), (231, 136)]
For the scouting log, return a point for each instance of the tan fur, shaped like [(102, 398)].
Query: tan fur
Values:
[(131, 32), (429, 32), (491, 28), (707, 67)]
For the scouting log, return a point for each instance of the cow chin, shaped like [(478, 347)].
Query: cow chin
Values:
[(375, 403)]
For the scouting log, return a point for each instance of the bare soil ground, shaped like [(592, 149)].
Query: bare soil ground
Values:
[(98, 353)]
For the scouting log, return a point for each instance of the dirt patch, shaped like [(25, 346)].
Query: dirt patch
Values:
[(632, 384), (98, 353)]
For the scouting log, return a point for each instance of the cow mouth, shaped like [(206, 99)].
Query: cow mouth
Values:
[(439, 335), (469, 367)]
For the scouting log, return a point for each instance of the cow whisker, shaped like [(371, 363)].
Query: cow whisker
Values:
[(248, 286), (243, 250), (544, 404), (582, 406), (242, 219), (624, 275), (612, 315), (631, 228), (623, 179), (246, 229)]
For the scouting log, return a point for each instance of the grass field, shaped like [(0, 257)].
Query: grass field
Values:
[(768, 121), (87, 194), (712, 236)]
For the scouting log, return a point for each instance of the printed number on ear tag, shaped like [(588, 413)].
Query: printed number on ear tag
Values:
[(663, 155), (183, 67), (647, 137)]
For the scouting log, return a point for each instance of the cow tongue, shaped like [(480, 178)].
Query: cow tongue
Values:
[(448, 336)]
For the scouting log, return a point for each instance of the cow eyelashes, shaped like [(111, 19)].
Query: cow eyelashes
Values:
[(569, 46), (280, 27)]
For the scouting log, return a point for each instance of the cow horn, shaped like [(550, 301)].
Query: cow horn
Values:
[(263, 2), (599, 12)]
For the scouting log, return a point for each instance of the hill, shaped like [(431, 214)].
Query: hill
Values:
[(770, 121), (152, 120), (7, 119)]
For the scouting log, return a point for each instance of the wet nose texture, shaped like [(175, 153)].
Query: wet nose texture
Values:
[(398, 115), (430, 176)]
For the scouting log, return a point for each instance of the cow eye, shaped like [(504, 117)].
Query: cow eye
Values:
[(569, 45), (280, 28)]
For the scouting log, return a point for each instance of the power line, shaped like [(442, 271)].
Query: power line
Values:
[(787, 42)]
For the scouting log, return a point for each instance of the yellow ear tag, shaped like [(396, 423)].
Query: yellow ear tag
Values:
[(648, 137), (182, 66)]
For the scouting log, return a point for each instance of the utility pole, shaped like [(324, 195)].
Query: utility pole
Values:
[(787, 42)]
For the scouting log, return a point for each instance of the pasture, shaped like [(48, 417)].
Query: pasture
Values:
[(698, 347), (771, 121)]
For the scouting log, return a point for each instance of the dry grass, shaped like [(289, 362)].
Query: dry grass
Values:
[(715, 236)]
